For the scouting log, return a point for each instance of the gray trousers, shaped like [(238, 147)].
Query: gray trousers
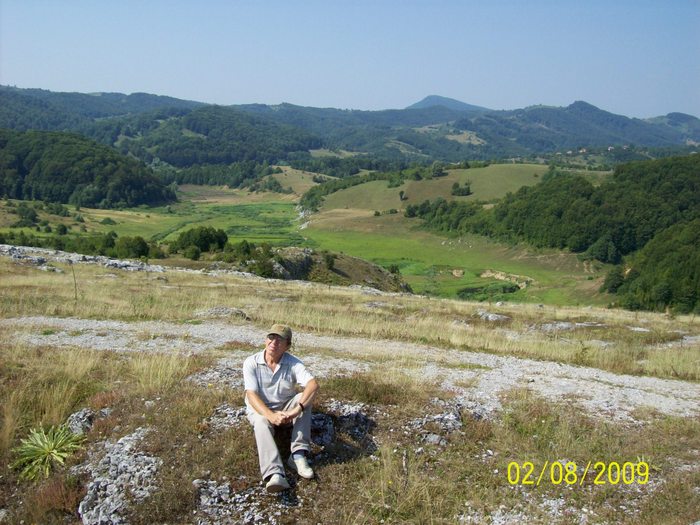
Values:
[(268, 454)]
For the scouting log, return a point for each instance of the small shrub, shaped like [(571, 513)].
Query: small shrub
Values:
[(55, 498), (155, 252), (192, 252), (205, 238), (134, 247), (394, 268), (43, 449)]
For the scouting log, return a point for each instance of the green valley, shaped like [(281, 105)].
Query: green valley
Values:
[(430, 263), (542, 204)]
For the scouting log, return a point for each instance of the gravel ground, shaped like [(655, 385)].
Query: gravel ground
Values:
[(601, 393)]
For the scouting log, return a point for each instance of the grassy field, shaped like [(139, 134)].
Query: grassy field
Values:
[(26, 291), (257, 217), (434, 264), (430, 263), (299, 181), (487, 184), (404, 480)]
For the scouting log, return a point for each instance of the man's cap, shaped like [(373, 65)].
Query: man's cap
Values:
[(281, 330)]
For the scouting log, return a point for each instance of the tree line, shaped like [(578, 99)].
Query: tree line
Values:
[(235, 175)]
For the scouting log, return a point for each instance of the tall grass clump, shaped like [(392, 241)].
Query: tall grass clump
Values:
[(154, 373), (385, 387), (395, 489), (43, 386), (10, 414)]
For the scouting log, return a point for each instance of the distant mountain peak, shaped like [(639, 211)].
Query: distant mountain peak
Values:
[(583, 107), (449, 103)]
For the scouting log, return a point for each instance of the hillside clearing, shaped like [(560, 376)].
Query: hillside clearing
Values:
[(487, 184)]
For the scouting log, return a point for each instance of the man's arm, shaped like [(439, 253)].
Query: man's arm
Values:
[(256, 402), (309, 393), (307, 397)]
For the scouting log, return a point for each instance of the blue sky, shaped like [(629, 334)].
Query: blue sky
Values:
[(637, 58)]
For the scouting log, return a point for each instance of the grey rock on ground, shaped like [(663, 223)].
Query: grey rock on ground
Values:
[(122, 470), (491, 317), (81, 422), (219, 504)]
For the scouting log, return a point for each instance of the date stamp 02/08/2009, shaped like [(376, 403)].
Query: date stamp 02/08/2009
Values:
[(571, 473)]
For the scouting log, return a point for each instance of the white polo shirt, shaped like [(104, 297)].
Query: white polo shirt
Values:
[(278, 387)]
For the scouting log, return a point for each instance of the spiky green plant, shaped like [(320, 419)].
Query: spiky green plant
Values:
[(44, 449)]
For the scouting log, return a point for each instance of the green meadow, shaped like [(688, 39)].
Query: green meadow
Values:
[(487, 184), (442, 266), (255, 217), (432, 264)]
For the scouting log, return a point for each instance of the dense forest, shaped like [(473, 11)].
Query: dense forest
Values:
[(24, 109), (222, 135), (642, 202), (235, 175), (62, 167), (665, 273), (546, 129), (185, 133)]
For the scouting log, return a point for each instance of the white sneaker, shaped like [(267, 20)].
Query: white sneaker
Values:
[(277, 483), (301, 465)]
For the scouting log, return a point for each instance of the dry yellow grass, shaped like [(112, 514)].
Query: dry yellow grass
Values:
[(625, 342), (300, 181)]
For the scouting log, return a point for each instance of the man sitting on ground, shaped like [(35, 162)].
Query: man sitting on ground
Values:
[(270, 378)]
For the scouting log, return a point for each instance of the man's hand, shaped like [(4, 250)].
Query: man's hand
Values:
[(278, 417), (289, 415), (281, 417)]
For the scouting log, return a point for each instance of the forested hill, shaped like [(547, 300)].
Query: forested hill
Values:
[(450, 103), (579, 125), (616, 218), (443, 132), (212, 135), (642, 207), (433, 129), (68, 168), (33, 108)]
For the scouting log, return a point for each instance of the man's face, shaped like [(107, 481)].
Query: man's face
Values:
[(275, 345)]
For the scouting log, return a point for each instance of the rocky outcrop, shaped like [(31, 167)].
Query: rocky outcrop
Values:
[(81, 421), (492, 317), (295, 263), (122, 470)]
